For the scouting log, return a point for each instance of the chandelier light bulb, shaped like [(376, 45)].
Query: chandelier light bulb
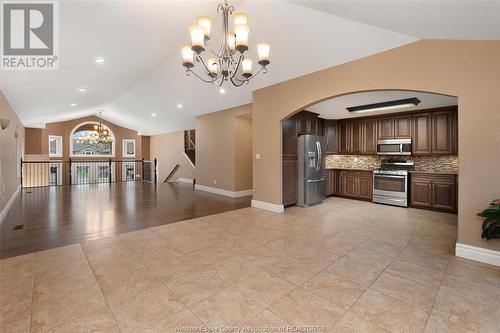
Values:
[(240, 18), (187, 56), (246, 68), (212, 65), (231, 41), (206, 23), (242, 31), (263, 49), (197, 38)]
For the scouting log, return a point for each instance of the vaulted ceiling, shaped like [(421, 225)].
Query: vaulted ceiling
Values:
[(142, 73)]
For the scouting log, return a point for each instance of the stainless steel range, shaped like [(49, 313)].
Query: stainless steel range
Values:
[(390, 182)]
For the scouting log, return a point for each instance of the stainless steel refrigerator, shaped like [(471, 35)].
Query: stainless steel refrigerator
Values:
[(311, 164)]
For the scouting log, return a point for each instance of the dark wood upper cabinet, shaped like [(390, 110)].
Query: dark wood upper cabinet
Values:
[(345, 136), (386, 128), (454, 133), (402, 127), (370, 136), (289, 132), (357, 143), (306, 123), (442, 132), (331, 132), (320, 126), (422, 134)]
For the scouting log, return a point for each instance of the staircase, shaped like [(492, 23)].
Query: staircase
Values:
[(189, 145)]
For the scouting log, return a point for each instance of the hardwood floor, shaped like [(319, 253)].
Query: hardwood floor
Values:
[(63, 215)]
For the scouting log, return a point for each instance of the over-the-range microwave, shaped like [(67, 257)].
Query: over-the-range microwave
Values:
[(394, 147)]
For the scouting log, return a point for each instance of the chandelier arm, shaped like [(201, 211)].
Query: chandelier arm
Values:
[(200, 59), (262, 69), (237, 66), (188, 71), (238, 82)]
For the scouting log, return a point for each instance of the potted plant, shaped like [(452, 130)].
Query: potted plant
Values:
[(491, 224)]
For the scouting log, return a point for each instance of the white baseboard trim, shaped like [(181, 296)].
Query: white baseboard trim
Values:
[(5, 210), (268, 206), (480, 254), (185, 180), (226, 193)]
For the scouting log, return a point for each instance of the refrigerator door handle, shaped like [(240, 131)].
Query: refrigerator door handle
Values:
[(318, 147), (315, 180)]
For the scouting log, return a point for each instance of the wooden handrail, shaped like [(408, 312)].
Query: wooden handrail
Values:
[(171, 174)]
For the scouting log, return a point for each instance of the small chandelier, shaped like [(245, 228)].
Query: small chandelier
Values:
[(100, 134), (223, 65)]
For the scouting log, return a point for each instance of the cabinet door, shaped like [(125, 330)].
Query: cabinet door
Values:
[(289, 132), (356, 136), (454, 132), (421, 192), (444, 195), (345, 136), (442, 132), (289, 182), (370, 136), (402, 127), (330, 182), (332, 137), (349, 184), (320, 126), (386, 128), (422, 134), (365, 187)]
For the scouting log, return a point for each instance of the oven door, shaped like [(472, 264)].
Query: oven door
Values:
[(390, 185)]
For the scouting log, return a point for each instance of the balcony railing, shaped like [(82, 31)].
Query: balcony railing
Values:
[(78, 172)]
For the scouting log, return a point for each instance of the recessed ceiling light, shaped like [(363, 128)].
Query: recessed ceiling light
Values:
[(99, 60), (72, 104), (82, 90), (179, 106), (222, 91), (153, 114)]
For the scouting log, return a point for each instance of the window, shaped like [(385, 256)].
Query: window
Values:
[(81, 146), (128, 148), (55, 146)]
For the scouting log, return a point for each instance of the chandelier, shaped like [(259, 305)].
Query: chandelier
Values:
[(100, 134), (224, 64)]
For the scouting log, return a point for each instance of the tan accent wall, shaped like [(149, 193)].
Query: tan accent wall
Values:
[(243, 153), (469, 70), (11, 151), (33, 144), (37, 139), (146, 147), (216, 145), (168, 149)]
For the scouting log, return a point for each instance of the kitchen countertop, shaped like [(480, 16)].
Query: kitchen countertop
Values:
[(448, 172)]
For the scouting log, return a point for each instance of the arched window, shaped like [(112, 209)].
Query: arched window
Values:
[(81, 147)]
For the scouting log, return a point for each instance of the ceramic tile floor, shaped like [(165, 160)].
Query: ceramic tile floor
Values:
[(347, 266)]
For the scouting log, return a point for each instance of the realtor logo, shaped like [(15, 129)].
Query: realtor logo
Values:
[(30, 36)]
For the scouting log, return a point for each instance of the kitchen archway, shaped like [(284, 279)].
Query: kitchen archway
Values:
[(424, 123)]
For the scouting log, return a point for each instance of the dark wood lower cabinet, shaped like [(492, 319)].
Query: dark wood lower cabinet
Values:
[(290, 182), (331, 183), (435, 191), (355, 184)]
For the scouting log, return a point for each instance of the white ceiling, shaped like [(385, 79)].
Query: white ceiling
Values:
[(425, 19), (140, 41), (335, 108)]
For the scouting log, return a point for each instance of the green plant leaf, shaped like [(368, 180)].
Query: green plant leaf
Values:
[(488, 222)]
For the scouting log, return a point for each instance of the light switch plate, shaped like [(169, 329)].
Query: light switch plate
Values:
[(257, 156)]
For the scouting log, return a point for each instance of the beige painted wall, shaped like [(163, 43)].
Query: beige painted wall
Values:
[(469, 70), (168, 149), (11, 151), (243, 153), (216, 140)]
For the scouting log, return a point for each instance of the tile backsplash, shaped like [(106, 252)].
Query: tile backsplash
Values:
[(447, 163)]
